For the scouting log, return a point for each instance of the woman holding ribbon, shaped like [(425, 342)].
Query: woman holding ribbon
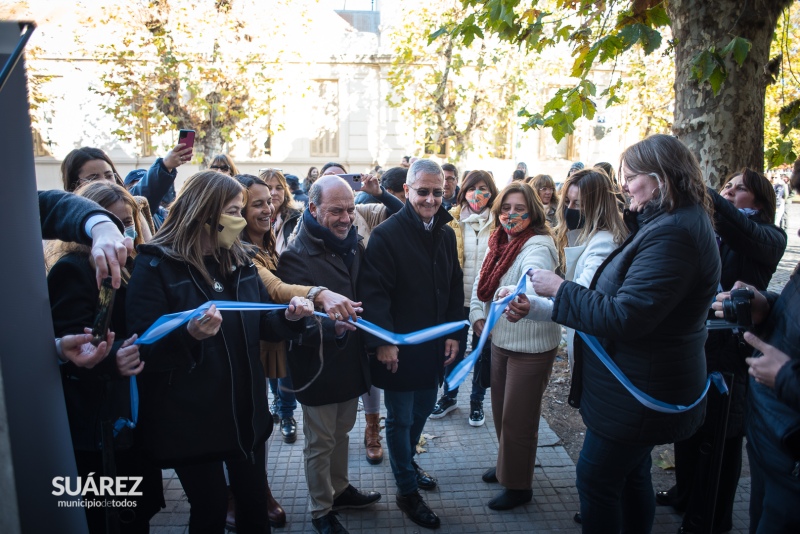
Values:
[(203, 398), (522, 353), (647, 304), (750, 247), (473, 224)]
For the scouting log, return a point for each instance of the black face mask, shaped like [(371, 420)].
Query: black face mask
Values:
[(574, 218)]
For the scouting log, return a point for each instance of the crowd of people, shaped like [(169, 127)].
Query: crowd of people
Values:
[(637, 262)]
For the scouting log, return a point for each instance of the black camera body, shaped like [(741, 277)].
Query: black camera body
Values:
[(738, 309)]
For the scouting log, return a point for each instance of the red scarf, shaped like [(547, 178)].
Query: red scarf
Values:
[(502, 253)]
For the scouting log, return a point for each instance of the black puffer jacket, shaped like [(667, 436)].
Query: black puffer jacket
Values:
[(647, 305), (345, 371), (411, 279), (750, 250), (202, 400)]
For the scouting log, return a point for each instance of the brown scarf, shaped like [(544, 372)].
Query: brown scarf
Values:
[(502, 253)]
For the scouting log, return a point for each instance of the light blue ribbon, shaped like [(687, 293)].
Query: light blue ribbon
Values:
[(496, 309), (167, 323)]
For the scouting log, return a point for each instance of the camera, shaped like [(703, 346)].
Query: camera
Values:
[(737, 309)]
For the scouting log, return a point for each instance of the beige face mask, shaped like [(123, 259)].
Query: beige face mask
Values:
[(229, 229)]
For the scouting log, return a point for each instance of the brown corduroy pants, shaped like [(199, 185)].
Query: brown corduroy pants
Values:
[(518, 384)]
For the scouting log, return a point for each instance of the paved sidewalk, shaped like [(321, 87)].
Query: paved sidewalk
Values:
[(457, 454)]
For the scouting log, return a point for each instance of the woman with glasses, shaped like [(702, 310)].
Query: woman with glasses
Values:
[(522, 353), (750, 247), (545, 187), (89, 164), (202, 394), (647, 306), (224, 164)]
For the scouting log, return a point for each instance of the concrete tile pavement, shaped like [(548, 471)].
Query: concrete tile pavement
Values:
[(457, 454)]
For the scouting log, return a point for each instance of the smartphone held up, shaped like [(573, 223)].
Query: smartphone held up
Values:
[(353, 179)]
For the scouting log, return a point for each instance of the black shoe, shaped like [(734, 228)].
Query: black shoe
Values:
[(273, 409), (424, 480), (289, 430), (664, 498), (417, 511), (578, 518), (352, 498), (444, 406), (490, 476), (509, 499), (328, 524), (476, 417)]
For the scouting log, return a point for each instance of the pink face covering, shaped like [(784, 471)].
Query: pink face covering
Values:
[(514, 223), (477, 199)]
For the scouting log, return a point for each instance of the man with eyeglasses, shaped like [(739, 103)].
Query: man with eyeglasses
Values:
[(451, 188), (411, 279)]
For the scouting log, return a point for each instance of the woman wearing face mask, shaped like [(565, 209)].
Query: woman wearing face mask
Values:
[(545, 187), (750, 247), (589, 227), (203, 399), (473, 223), (97, 397), (647, 305), (522, 353)]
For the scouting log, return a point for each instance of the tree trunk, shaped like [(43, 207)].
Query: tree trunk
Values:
[(725, 132)]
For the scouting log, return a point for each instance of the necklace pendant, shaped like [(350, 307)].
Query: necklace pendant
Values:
[(218, 287)]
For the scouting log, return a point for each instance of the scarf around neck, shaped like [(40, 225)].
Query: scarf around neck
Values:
[(499, 258)]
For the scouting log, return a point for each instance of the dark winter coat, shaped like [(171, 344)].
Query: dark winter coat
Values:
[(773, 417), (647, 305), (63, 216), (99, 394), (411, 279), (154, 186), (750, 250), (345, 368), (203, 400)]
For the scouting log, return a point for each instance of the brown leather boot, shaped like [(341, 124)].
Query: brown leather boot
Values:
[(230, 519), (277, 516), (372, 438)]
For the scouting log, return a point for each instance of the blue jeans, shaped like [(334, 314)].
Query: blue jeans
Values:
[(614, 486), (287, 402), (406, 413), (478, 393)]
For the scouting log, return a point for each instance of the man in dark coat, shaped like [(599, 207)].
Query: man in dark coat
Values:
[(328, 252), (410, 280)]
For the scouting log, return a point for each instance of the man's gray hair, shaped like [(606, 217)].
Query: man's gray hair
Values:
[(423, 166)]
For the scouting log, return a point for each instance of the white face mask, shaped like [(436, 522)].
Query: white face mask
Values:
[(130, 231)]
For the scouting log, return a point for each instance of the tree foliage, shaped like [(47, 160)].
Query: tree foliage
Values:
[(187, 64), (782, 124), (457, 93), (597, 32)]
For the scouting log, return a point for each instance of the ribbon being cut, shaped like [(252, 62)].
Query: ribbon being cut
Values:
[(496, 309)]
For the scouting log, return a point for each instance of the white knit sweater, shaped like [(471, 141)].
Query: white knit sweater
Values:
[(527, 336)]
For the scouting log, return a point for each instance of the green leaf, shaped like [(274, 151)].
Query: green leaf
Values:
[(657, 16), (789, 117), (708, 66), (739, 47), (435, 35), (780, 152)]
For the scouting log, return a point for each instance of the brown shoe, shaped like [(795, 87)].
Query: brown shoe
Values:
[(372, 438), (277, 516)]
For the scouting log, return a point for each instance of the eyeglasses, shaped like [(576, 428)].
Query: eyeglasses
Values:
[(423, 192), (108, 175), (223, 168), (543, 189)]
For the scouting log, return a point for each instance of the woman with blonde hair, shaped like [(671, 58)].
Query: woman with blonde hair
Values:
[(522, 353), (203, 398), (286, 212), (545, 187)]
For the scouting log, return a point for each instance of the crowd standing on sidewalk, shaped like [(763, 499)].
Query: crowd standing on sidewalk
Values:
[(630, 266)]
